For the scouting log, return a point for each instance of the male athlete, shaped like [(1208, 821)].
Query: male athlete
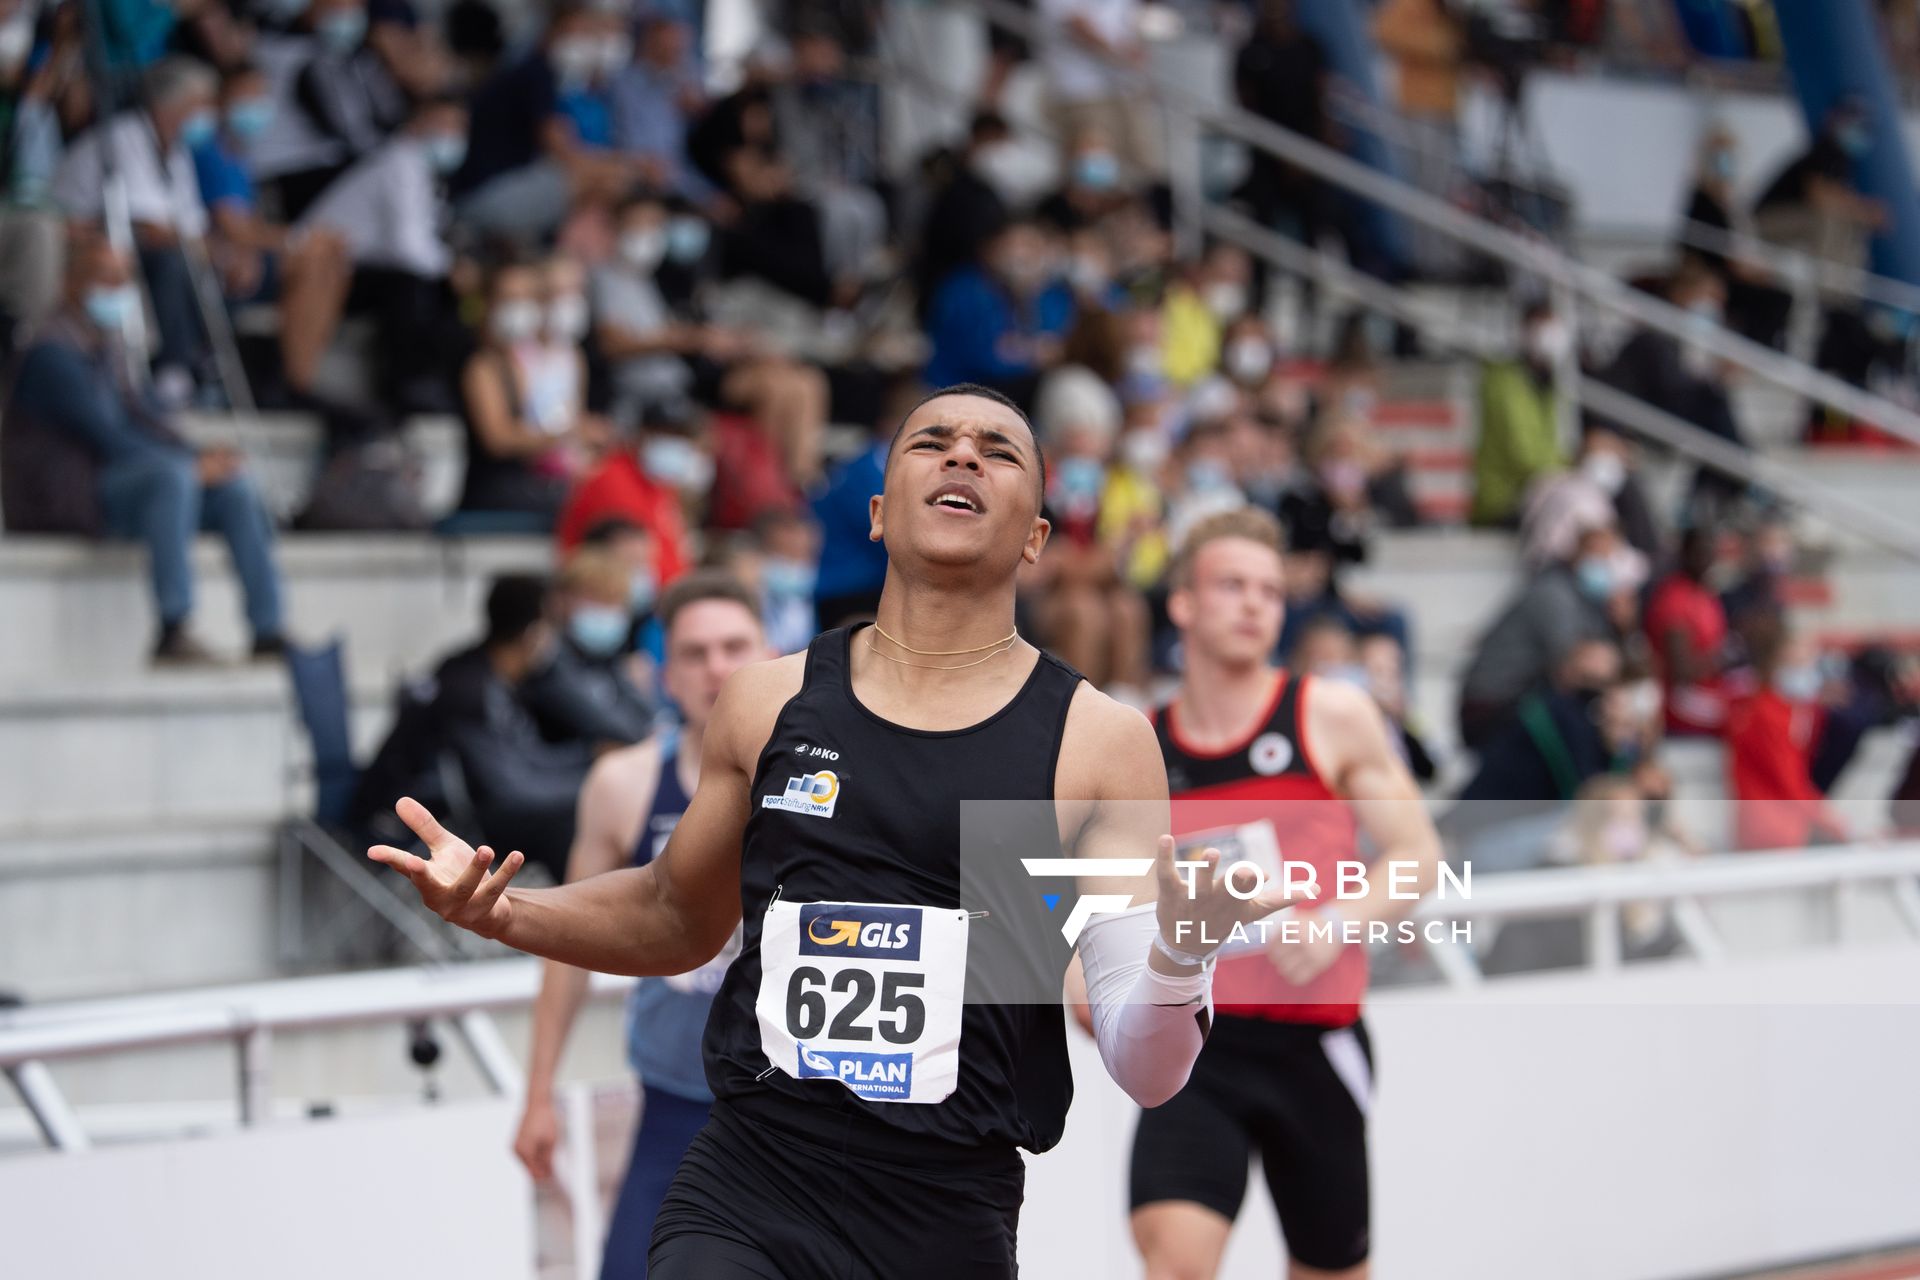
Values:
[(630, 804), (1287, 1070), (868, 1114)]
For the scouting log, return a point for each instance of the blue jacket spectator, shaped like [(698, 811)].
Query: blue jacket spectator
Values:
[(1001, 323), (852, 566), (83, 451)]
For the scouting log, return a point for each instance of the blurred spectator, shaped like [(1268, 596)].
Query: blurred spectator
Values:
[(749, 476), (1326, 647), (634, 548), (307, 273), (1079, 391), (152, 157), (1755, 600), (1083, 94), (770, 233), (968, 212), (134, 33), (1813, 204), (1687, 636), (528, 432), (346, 90), (1281, 74), (1351, 384), (87, 452), (853, 562), (1558, 608), (1198, 309), (641, 480), (1000, 323), (390, 211), (1385, 665), (828, 129), (45, 98), (543, 130), (789, 551), (1603, 488), (522, 785), (1770, 739), (655, 98), (476, 40), (1685, 379), (1519, 419), (1091, 186), (1608, 827), (589, 691), (1426, 41), (1755, 308)]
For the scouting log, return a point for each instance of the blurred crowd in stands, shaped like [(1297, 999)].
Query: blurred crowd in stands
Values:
[(650, 299)]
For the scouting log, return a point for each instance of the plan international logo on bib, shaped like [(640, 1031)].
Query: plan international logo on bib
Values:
[(813, 793), (847, 931), (878, 1076)]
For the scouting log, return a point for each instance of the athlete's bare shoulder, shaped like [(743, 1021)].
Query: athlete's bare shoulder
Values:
[(750, 703), (1109, 752), (1345, 727)]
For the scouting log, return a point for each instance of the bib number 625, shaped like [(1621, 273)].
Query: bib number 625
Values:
[(903, 1014)]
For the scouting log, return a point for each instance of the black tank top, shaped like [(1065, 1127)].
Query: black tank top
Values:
[(894, 836)]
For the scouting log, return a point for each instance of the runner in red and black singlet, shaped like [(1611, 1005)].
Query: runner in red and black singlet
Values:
[(1256, 757)]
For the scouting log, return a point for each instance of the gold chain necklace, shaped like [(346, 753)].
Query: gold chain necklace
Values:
[(1011, 640), (940, 653)]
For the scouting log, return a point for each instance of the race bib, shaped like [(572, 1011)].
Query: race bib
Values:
[(866, 994), (1254, 842)]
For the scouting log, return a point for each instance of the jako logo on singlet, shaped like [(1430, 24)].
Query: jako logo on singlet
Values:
[(846, 931), (814, 793)]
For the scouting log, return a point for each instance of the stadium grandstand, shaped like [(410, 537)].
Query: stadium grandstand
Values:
[(443, 398)]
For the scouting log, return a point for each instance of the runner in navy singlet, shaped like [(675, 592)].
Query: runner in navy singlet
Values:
[(1287, 1074), (632, 800), (868, 1114)]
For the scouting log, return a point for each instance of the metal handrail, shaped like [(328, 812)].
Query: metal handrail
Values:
[(1532, 256)]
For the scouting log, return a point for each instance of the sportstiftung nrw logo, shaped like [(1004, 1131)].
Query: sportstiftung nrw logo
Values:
[(814, 793)]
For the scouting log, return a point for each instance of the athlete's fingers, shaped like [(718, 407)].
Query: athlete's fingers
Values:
[(495, 886), (400, 860), (469, 878), (421, 822)]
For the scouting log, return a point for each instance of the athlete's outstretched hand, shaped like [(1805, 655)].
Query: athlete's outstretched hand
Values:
[(453, 881), (1197, 913)]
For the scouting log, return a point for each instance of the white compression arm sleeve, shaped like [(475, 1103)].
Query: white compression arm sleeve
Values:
[(1150, 1027)]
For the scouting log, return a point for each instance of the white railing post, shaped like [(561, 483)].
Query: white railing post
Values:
[(255, 1049), (582, 1179), (49, 1107), (490, 1053)]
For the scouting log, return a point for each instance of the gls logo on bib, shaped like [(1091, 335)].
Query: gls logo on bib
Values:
[(814, 793), (847, 931)]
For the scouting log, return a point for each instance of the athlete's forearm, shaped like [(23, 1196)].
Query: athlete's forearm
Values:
[(563, 989), (618, 922)]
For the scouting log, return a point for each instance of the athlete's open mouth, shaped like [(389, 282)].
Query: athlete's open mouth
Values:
[(957, 497)]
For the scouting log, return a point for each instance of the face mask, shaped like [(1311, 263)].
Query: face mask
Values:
[(248, 120), (1549, 342), (614, 55), (1623, 839), (1226, 300), (1704, 314), (1605, 471), (678, 462), (567, 318), (1346, 673), (446, 152), (1144, 361), (1097, 171), (1344, 478), (999, 167), (574, 60), (600, 629), (1089, 275), (643, 249), (642, 590), (687, 239), (515, 321), (1248, 360), (1855, 138), (788, 579), (1078, 481), (1722, 165), (1205, 475), (198, 129), (1595, 577), (111, 307), (1359, 402), (1798, 684), (343, 30), (1143, 449), (1023, 275)]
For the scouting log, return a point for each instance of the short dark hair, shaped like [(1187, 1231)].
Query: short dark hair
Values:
[(515, 602), (985, 393), (703, 584)]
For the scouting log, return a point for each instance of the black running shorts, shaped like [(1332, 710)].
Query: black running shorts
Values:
[(760, 1199), (1296, 1095)]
